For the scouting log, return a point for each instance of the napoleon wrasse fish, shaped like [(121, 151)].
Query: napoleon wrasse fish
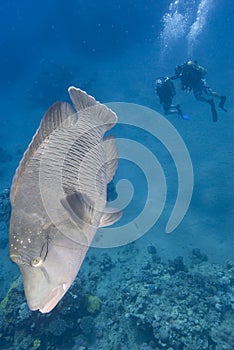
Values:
[(58, 196)]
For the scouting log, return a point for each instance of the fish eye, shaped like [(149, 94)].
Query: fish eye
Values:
[(36, 262)]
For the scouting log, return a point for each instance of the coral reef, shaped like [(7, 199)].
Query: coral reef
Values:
[(5, 210), (93, 304), (112, 304), (87, 325), (58, 326), (8, 303), (36, 344), (80, 343), (5, 207), (182, 307)]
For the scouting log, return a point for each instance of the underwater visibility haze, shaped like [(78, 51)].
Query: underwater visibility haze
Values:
[(156, 272)]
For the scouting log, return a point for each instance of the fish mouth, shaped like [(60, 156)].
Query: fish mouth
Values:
[(55, 296)]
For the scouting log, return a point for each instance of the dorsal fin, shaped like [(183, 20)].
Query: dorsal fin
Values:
[(57, 114), (90, 109), (80, 98)]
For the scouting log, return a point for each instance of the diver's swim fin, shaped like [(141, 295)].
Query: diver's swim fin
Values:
[(179, 111), (185, 117), (213, 111), (221, 103)]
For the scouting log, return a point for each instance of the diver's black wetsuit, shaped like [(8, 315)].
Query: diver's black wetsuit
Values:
[(165, 90), (192, 78)]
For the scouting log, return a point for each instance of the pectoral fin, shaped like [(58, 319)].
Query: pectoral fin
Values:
[(80, 208), (110, 216)]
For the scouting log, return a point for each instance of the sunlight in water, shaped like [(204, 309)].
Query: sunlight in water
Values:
[(185, 21), (198, 25)]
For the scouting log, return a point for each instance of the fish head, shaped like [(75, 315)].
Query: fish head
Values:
[(47, 280)]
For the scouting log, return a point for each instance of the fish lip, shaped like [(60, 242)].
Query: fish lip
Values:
[(54, 297)]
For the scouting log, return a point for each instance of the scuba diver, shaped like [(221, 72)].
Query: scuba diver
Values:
[(165, 89), (192, 77)]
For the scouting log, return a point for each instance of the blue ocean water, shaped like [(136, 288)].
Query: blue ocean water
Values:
[(114, 51)]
